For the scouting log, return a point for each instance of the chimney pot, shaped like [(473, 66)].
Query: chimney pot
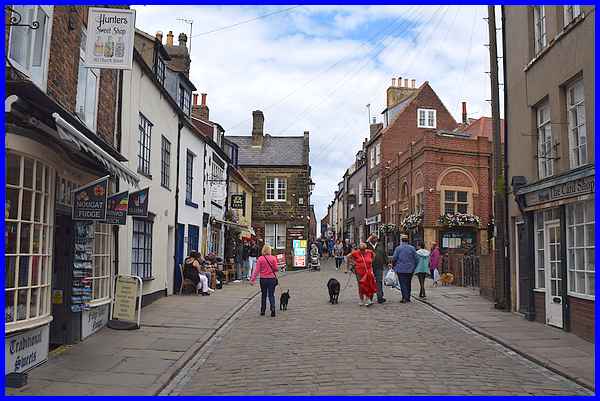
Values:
[(393, 81), (182, 39), (405, 83), (399, 82), (195, 99), (159, 36), (204, 99), (170, 39), (464, 113), (413, 83)]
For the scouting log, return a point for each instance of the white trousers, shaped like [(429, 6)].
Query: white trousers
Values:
[(203, 284), (252, 264)]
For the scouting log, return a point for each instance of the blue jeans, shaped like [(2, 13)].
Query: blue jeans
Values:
[(267, 288), (405, 280)]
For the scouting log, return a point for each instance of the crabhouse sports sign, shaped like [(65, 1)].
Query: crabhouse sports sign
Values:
[(110, 33)]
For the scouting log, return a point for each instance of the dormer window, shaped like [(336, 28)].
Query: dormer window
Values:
[(185, 99), (426, 118), (159, 70)]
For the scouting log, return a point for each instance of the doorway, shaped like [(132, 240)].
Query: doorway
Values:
[(554, 289)]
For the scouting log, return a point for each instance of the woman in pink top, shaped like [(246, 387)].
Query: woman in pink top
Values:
[(266, 268), (435, 259)]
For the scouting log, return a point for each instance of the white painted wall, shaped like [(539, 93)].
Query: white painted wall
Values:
[(217, 213), (141, 95)]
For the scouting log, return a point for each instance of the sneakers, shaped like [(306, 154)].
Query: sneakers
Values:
[(272, 313), (381, 300), (361, 303), (211, 290), (368, 303)]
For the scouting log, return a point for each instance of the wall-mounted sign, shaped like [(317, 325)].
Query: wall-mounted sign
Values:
[(295, 233), (373, 220), (110, 34), (138, 203), (577, 187), (94, 319), (299, 261), (238, 201), (26, 350), (116, 209), (89, 202)]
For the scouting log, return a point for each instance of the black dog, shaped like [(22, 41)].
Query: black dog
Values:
[(283, 301), (334, 290)]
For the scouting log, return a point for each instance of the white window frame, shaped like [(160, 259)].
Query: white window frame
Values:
[(540, 32), (278, 188), (455, 202), (577, 128), (419, 200), (96, 72), (38, 75), (571, 12), (540, 251), (275, 235), (378, 153), (43, 222), (138, 265), (377, 190), (545, 141), (102, 263), (372, 186), (580, 250), (429, 116), (372, 158), (360, 193), (352, 204)]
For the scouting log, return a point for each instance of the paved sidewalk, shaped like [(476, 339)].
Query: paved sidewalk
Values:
[(559, 351), (139, 362)]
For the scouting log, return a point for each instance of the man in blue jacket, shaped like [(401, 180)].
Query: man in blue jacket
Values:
[(405, 261)]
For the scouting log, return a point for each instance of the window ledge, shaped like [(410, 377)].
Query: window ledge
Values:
[(149, 176), (165, 187), (144, 279), (582, 296), (191, 204), (27, 324), (539, 290)]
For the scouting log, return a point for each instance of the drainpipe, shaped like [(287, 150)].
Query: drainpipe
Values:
[(118, 137), (179, 128)]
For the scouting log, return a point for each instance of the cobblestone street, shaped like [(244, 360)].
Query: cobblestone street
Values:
[(318, 348)]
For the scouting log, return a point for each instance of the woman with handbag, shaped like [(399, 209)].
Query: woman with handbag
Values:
[(362, 259), (266, 268)]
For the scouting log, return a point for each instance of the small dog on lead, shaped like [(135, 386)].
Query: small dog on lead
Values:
[(334, 290), (284, 299)]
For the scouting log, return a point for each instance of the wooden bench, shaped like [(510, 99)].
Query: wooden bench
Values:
[(186, 282)]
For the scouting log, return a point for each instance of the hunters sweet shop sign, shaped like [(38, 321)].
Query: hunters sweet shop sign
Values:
[(110, 33)]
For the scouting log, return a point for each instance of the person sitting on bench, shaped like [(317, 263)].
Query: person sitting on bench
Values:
[(193, 270)]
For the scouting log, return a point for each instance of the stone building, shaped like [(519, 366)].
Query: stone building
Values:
[(550, 81), (278, 168)]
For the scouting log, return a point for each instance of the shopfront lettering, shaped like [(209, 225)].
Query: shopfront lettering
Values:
[(581, 186), (26, 350), (25, 342), (25, 361)]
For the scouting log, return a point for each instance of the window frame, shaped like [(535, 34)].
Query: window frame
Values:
[(165, 162), (96, 72), (377, 153), (575, 11), (573, 271), (377, 190), (159, 70), (360, 193), (42, 255), (276, 189), (428, 113), (147, 235), (189, 176), (540, 32), (455, 201), (143, 163), (274, 239), (420, 200), (576, 145), (185, 99), (40, 79), (545, 141), (372, 185), (105, 271)]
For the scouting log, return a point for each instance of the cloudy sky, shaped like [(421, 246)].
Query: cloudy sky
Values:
[(315, 68)]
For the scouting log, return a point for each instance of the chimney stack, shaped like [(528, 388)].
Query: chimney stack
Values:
[(170, 39), (204, 99), (195, 96), (413, 83), (405, 83), (374, 120), (201, 111), (159, 36), (399, 82), (464, 113), (393, 81), (182, 39), (258, 122)]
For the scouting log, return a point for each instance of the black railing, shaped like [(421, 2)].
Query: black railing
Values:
[(470, 271)]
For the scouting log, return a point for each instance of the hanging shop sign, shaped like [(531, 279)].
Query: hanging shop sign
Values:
[(89, 202), (26, 350), (238, 201), (94, 319), (128, 290), (110, 37), (138, 203), (116, 209)]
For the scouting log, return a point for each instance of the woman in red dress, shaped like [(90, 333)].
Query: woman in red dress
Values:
[(362, 259)]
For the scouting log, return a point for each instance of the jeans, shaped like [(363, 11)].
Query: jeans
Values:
[(267, 288), (251, 265), (421, 277), (338, 261), (379, 280), (405, 280)]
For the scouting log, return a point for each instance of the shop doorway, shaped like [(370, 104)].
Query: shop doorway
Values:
[(61, 330), (554, 290)]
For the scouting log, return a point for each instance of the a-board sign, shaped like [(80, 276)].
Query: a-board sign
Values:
[(126, 292)]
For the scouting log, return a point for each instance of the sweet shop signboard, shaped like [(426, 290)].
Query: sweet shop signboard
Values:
[(110, 34)]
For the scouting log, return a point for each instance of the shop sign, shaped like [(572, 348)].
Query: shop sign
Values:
[(26, 350), (138, 203), (110, 37), (299, 251), (295, 233), (299, 261), (238, 201), (373, 220), (89, 202), (94, 319), (569, 189), (280, 261), (116, 210), (126, 292)]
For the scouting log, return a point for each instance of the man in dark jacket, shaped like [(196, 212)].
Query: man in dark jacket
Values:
[(405, 261), (379, 262)]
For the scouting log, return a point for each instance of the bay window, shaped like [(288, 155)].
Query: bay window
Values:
[(29, 48), (28, 240)]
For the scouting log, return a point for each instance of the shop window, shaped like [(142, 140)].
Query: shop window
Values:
[(577, 132), (28, 48), (275, 235), (539, 23), (276, 189), (141, 258), (570, 13), (101, 278), (545, 142), (580, 248), (456, 202), (145, 133), (165, 163), (28, 240)]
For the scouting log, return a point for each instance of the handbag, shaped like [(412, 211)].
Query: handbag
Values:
[(273, 271)]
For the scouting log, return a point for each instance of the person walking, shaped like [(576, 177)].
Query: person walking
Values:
[(435, 260), (347, 251), (330, 245), (405, 261), (422, 269), (315, 262), (266, 269), (253, 252), (362, 259), (338, 251), (379, 263)]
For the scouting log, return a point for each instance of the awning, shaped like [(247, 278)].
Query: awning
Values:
[(70, 134), (236, 225)]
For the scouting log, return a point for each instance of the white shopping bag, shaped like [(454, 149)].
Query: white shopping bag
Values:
[(436, 275), (390, 279)]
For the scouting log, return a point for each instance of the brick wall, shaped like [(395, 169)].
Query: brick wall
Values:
[(582, 317)]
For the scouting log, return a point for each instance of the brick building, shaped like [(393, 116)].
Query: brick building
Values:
[(356, 205), (279, 170), (61, 134)]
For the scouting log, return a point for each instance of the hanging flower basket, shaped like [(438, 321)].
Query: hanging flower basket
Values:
[(388, 228), (412, 221), (459, 220)]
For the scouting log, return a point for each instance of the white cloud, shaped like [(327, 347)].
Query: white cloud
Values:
[(316, 67)]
